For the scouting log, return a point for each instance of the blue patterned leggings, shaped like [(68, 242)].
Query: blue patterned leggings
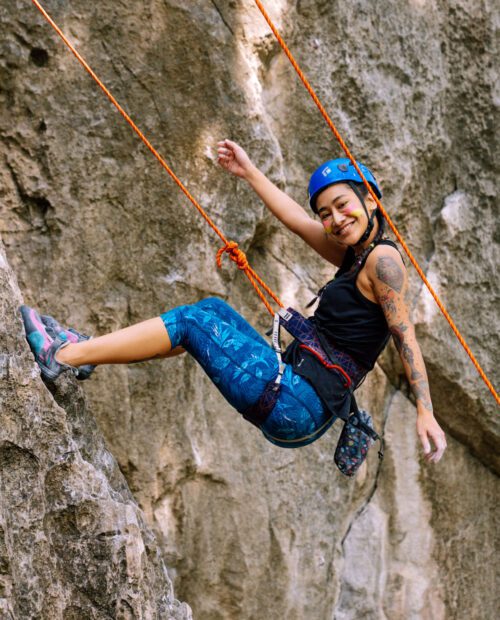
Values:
[(240, 363)]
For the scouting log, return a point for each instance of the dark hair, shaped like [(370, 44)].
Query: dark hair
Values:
[(361, 187), (363, 191)]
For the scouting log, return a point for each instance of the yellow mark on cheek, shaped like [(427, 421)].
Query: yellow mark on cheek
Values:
[(353, 211), (328, 228)]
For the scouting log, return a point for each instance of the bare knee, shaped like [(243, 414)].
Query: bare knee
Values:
[(173, 353)]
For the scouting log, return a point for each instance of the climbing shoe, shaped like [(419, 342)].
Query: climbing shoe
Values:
[(43, 346), (54, 328)]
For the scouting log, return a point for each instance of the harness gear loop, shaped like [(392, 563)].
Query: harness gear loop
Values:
[(258, 413), (392, 226), (276, 342)]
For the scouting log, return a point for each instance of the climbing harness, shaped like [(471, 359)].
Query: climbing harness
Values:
[(303, 330), (257, 414), (358, 433), (230, 247)]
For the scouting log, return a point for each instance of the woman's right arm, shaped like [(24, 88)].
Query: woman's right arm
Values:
[(235, 160)]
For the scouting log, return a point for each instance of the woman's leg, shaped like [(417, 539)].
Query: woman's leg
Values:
[(237, 362), (146, 340), (241, 366), (224, 311), (139, 342), (236, 358)]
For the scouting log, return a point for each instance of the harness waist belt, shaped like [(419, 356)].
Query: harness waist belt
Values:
[(303, 330)]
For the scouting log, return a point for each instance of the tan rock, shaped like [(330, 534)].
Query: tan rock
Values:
[(73, 542), (98, 236)]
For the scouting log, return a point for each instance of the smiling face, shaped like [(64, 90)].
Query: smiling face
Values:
[(342, 213)]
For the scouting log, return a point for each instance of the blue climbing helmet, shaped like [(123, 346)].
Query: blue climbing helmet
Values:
[(338, 171)]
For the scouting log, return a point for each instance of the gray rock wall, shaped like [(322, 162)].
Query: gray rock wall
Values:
[(98, 235), (73, 542)]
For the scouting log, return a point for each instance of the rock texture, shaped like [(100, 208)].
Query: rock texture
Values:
[(73, 542), (98, 236)]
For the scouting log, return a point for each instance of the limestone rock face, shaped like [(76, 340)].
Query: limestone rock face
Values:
[(98, 236), (73, 542)]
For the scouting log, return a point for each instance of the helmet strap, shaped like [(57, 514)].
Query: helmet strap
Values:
[(360, 259), (370, 225)]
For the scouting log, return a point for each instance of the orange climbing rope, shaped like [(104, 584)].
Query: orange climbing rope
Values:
[(230, 247), (337, 135)]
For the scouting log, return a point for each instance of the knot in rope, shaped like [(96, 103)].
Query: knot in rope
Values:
[(235, 254), (230, 246)]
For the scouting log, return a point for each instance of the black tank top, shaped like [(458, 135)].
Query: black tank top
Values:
[(348, 319)]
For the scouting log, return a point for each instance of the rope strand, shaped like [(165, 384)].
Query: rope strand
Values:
[(230, 247), (392, 226)]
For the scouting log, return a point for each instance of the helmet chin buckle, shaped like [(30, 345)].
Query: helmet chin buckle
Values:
[(370, 225)]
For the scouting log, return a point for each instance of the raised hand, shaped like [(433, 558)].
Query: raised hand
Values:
[(233, 158)]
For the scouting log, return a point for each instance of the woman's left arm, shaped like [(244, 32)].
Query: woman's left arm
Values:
[(389, 279)]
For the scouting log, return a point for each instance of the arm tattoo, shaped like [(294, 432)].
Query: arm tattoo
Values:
[(421, 391), (418, 382), (394, 307), (390, 273), (387, 303), (404, 349), (397, 332), (397, 335)]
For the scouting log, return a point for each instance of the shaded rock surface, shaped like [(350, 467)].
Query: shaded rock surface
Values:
[(73, 542), (98, 236)]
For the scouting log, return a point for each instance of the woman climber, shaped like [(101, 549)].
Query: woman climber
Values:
[(358, 310)]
